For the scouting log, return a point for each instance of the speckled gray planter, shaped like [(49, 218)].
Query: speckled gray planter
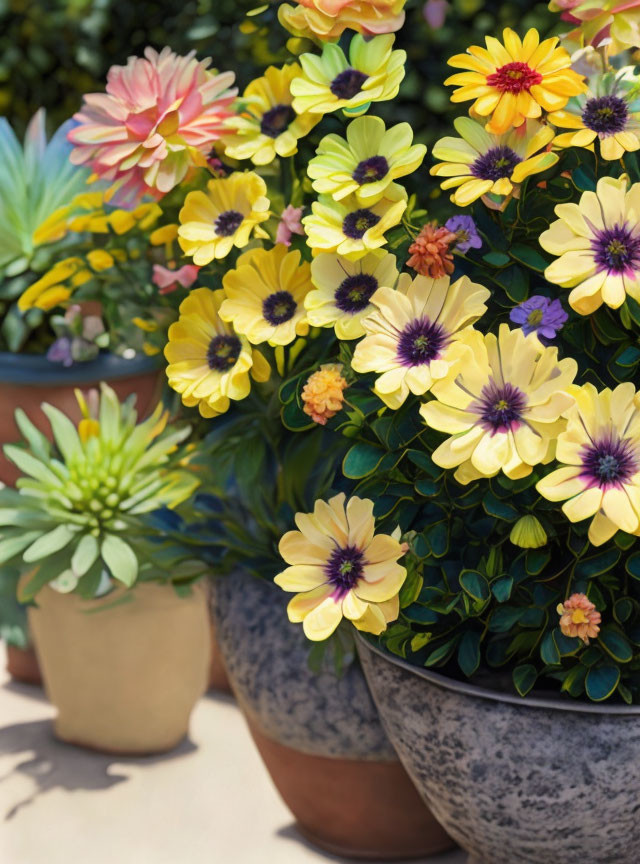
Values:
[(266, 661), (319, 736), (515, 781)]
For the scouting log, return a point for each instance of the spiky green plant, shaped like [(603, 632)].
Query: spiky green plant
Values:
[(77, 515), (36, 181)]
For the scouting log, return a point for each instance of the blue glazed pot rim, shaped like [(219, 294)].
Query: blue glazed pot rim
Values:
[(472, 690), (36, 370)]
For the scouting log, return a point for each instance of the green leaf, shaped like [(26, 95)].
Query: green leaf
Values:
[(524, 677), (502, 588), (475, 584), (420, 614), (623, 609), (64, 433), (38, 443), (500, 509), (530, 256), (536, 560), (601, 682), (361, 460), (12, 545), (85, 554), (120, 559), (504, 618), (469, 653), (496, 259), (49, 543), (598, 564), (549, 650), (438, 539), (440, 655), (632, 565), (574, 681), (515, 282), (615, 644)]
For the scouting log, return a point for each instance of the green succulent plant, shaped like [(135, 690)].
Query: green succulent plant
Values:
[(77, 516)]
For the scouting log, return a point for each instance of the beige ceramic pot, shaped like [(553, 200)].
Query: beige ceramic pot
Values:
[(123, 677)]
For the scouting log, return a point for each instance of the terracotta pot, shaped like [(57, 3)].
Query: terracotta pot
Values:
[(320, 736), (514, 781), (22, 665), (125, 670), (26, 381), (218, 679)]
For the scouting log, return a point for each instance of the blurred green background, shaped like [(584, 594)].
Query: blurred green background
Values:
[(53, 51)]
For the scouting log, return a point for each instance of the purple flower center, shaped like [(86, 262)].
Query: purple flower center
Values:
[(279, 307), (617, 249), (605, 115), (496, 163), (348, 83), (371, 170), (228, 223), (355, 225), (421, 341), (609, 463), (276, 120), (223, 352), (355, 291), (500, 407), (344, 569)]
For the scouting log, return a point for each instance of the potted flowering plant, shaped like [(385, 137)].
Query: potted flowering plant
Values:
[(119, 622), (500, 446), (250, 335), (66, 253)]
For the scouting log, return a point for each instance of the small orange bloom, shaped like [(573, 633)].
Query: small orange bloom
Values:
[(322, 394), (429, 252), (579, 617)]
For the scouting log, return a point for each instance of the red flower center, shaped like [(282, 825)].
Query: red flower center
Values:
[(514, 78)]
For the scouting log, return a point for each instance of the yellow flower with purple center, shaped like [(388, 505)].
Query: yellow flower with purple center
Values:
[(265, 295), (268, 126), (209, 363), (366, 162), (330, 82), (608, 112), (600, 457), (503, 405), (226, 215), (348, 228), (328, 19), (598, 244), (410, 335), (480, 163), (343, 290), (516, 80), (339, 567)]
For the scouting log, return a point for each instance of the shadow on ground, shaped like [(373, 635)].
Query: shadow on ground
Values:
[(53, 764)]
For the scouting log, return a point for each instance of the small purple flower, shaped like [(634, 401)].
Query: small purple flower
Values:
[(465, 229), (435, 12), (60, 352), (540, 315)]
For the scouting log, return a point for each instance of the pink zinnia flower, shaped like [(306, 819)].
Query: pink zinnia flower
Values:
[(289, 224), (168, 280), (578, 617), (159, 117)]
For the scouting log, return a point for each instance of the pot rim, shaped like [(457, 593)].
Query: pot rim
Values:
[(36, 370), (532, 702)]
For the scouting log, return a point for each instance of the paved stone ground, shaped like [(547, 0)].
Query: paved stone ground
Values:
[(209, 802)]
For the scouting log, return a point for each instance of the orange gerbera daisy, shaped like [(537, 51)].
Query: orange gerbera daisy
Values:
[(514, 80)]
